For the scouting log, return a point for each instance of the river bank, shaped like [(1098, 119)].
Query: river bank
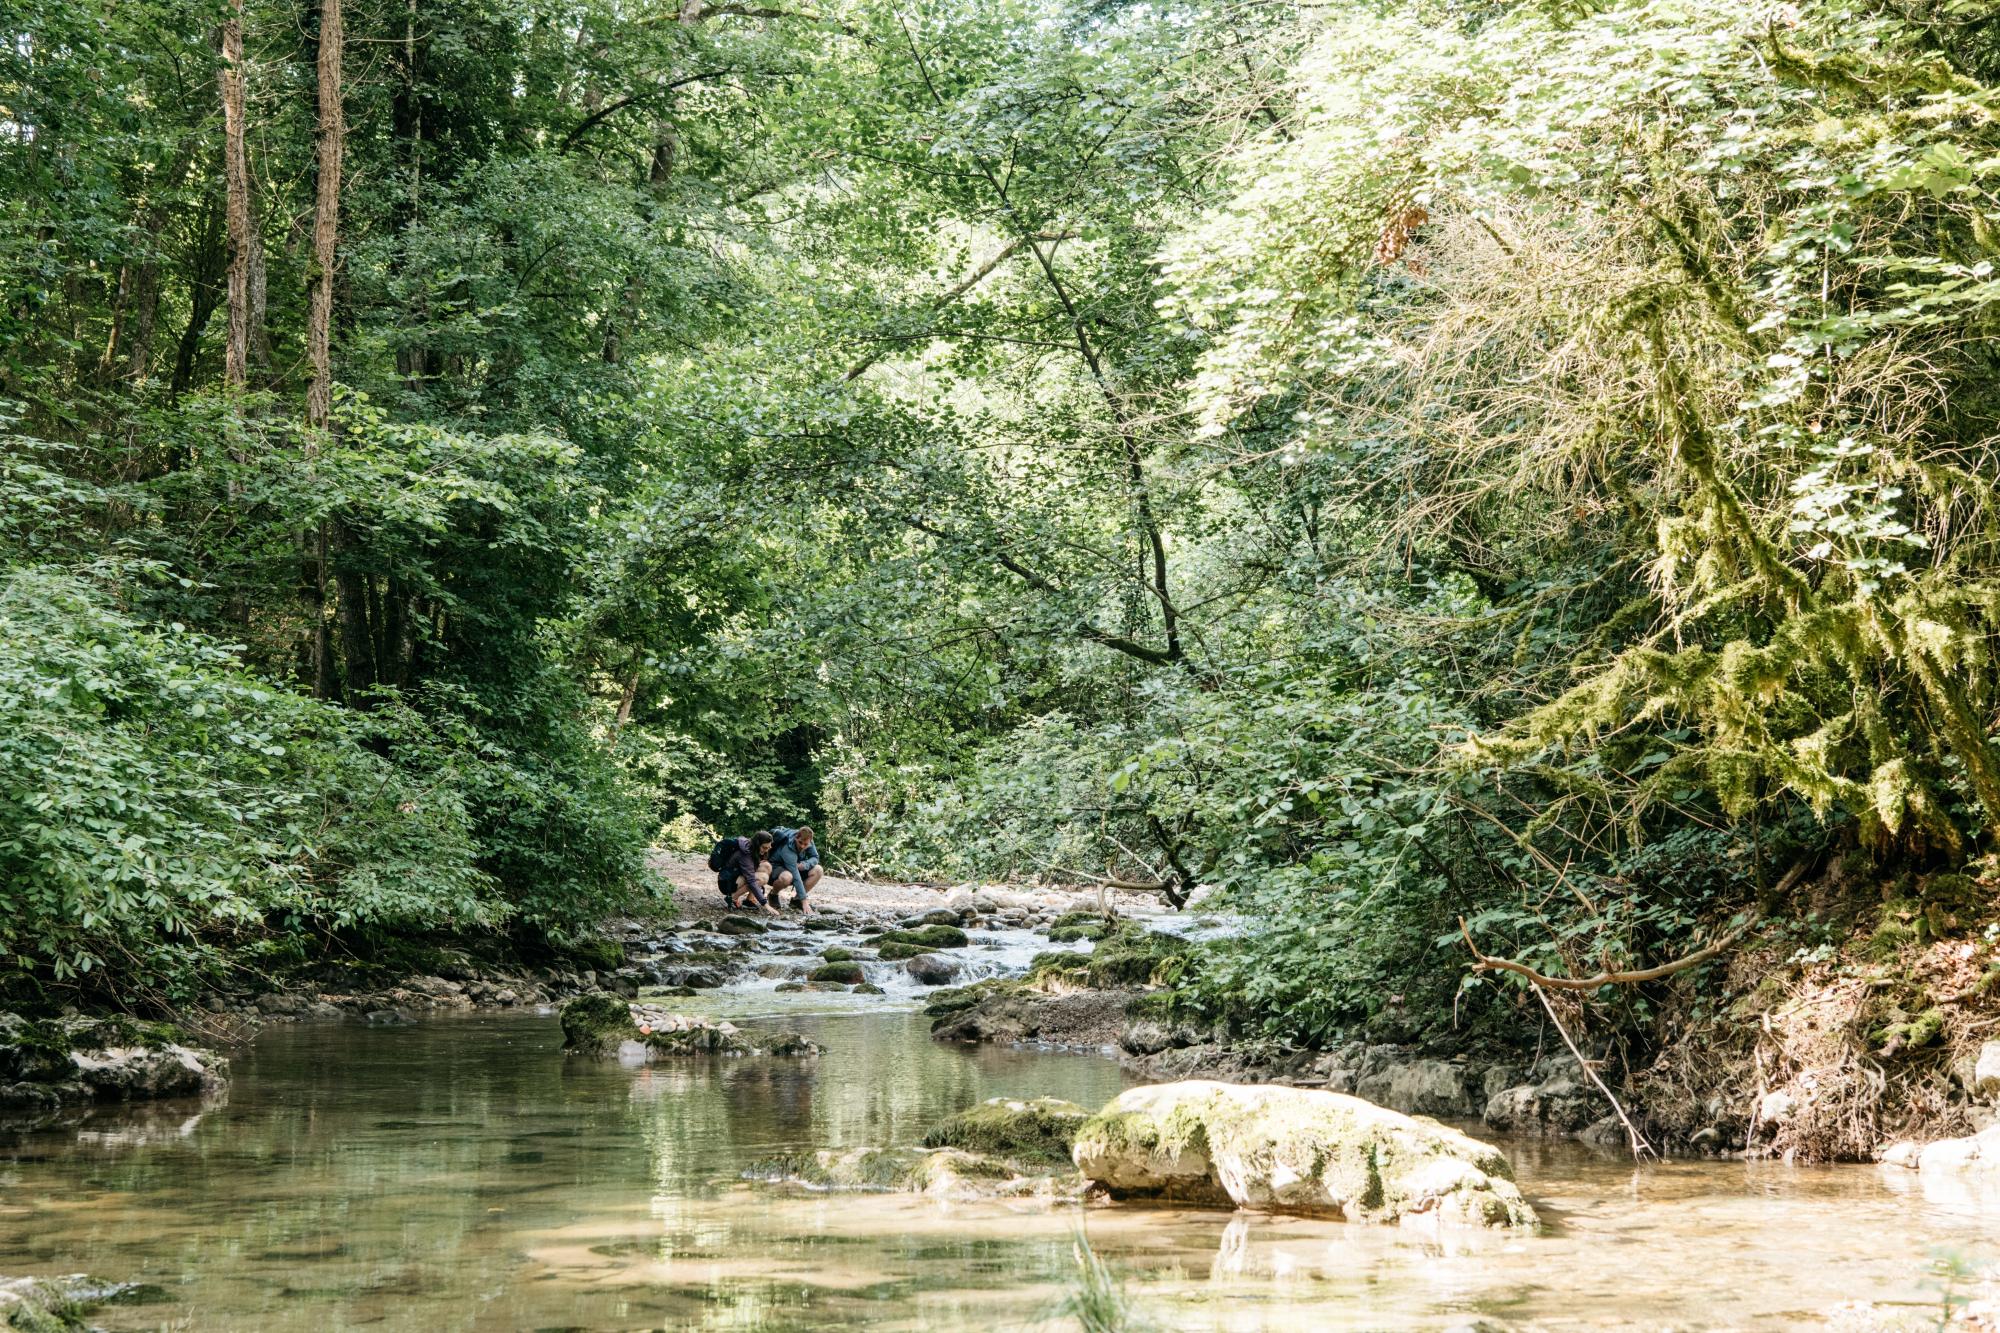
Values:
[(460, 1173), (1770, 1069)]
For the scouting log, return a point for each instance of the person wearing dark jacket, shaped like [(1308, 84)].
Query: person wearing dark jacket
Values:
[(794, 865), (740, 880)]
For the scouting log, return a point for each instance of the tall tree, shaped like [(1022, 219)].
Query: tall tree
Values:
[(326, 218), (236, 188)]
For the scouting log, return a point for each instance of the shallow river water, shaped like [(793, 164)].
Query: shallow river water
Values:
[(461, 1174)]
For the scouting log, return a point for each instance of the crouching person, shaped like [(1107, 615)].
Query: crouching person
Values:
[(795, 866), (742, 870)]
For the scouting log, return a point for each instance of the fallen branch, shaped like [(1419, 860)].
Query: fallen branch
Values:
[(1640, 1148)]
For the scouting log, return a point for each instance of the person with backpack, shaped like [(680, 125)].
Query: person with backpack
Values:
[(794, 865), (737, 863)]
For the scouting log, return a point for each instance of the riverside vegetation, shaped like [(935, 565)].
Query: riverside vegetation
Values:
[(1499, 494)]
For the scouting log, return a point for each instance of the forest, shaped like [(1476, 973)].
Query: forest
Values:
[(1496, 492)]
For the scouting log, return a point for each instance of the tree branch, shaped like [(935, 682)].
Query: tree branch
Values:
[(1484, 962), (1085, 627), (609, 109), (979, 275)]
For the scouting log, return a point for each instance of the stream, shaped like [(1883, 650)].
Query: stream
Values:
[(460, 1173)]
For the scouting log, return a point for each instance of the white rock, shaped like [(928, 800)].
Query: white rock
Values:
[(1902, 1153), (1986, 1071), (1975, 1154), (1286, 1149)]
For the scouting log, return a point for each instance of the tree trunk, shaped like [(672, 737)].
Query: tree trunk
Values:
[(107, 363), (204, 289), (357, 638), (145, 308), (236, 184), (319, 353), (326, 220)]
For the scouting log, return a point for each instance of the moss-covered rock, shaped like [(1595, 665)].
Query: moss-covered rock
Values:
[(41, 1305), (1039, 1129), (1135, 956), (957, 999), (839, 955), (1073, 926), (596, 953), (929, 937), (1300, 1150), (895, 951), (592, 1022), (1058, 970), (875, 1170), (603, 1025), (44, 1065), (792, 1044), (845, 974)]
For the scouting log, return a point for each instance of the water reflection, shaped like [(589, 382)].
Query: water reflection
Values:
[(462, 1175)]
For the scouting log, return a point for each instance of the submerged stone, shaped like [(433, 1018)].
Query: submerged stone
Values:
[(635, 1034), (1041, 1128), (944, 1173), (48, 1305), (1297, 1150)]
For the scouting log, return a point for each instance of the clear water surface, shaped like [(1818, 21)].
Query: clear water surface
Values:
[(462, 1174)]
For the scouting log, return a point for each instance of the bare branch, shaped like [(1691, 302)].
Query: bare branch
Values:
[(1483, 962)]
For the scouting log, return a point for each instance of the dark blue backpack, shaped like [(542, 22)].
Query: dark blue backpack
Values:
[(724, 852)]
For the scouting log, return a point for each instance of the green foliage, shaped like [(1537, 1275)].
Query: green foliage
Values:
[(1521, 464), (162, 801)]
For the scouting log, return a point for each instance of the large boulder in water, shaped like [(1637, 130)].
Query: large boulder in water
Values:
[(1295, 1150), (933, 969), (1974, 1156)]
